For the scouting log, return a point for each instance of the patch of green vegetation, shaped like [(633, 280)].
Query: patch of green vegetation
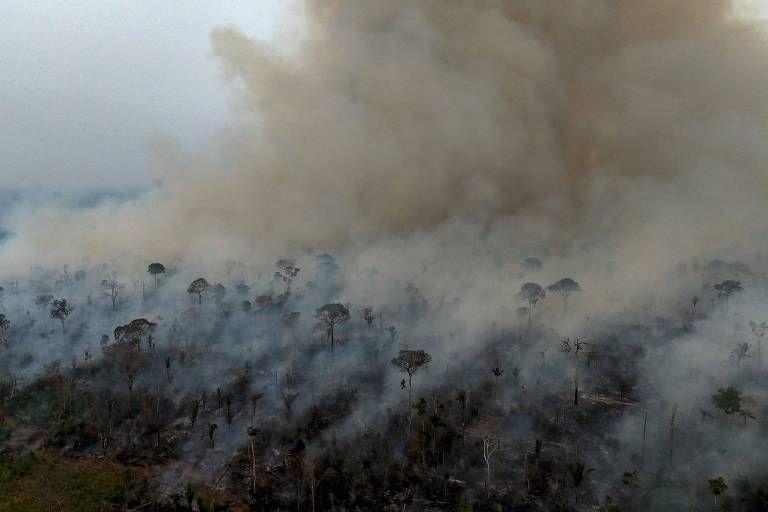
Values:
[(33, 483)]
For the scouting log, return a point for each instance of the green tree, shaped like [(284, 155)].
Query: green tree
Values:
[(717, 486), (727, 400), (155, 269)]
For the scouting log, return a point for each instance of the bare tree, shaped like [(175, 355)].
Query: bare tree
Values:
[(310, 465), (253, 433), (113, 287), (491, 442)]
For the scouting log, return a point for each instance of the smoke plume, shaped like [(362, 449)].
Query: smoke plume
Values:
[(640, 123)]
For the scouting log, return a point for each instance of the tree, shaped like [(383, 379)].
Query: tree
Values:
[(491, 442), (533, 293), (726, 289), (564, 288), (574, 347), (310, 465), (531, 263), (287, 272), (135, 332), (288, 398), (5, 324), (253, 433), (211, 433), (193, 414), (60, 311), (759, 330), (727, 400), (155, 269), (368, 315), (113, 287), (331, 315), (740, 353), (198, 287), (579, 473), (717, 486), (409, 361)]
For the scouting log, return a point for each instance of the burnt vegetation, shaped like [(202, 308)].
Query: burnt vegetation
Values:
[(278, 394)]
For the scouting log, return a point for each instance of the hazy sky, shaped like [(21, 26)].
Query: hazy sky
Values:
[(86, 84)]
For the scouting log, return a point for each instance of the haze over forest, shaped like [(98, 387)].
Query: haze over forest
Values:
[(364, 255)]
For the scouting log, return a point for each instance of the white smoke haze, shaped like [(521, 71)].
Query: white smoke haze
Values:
[(396, 119), (439, 143)]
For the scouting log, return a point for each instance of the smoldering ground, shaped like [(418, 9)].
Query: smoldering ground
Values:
[(439, 144)]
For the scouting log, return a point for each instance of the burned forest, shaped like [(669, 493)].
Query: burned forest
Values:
[(502, 255)]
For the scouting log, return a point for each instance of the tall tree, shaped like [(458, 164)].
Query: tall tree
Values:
[(5, 324), (574, 347), (60, 311), (409, 362), (198, 287), (156, 269), (533, 293), (727, 289), (113, 287), (331, 315), (564, 288)]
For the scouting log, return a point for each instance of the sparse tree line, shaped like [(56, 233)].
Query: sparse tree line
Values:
[(442, 437)]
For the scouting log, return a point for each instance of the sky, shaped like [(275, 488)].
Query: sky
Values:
[(87, 85)]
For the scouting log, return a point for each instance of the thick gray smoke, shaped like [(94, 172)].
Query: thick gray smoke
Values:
[(638, 123)]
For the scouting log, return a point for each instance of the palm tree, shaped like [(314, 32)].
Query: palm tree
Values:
[(579, 473)]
